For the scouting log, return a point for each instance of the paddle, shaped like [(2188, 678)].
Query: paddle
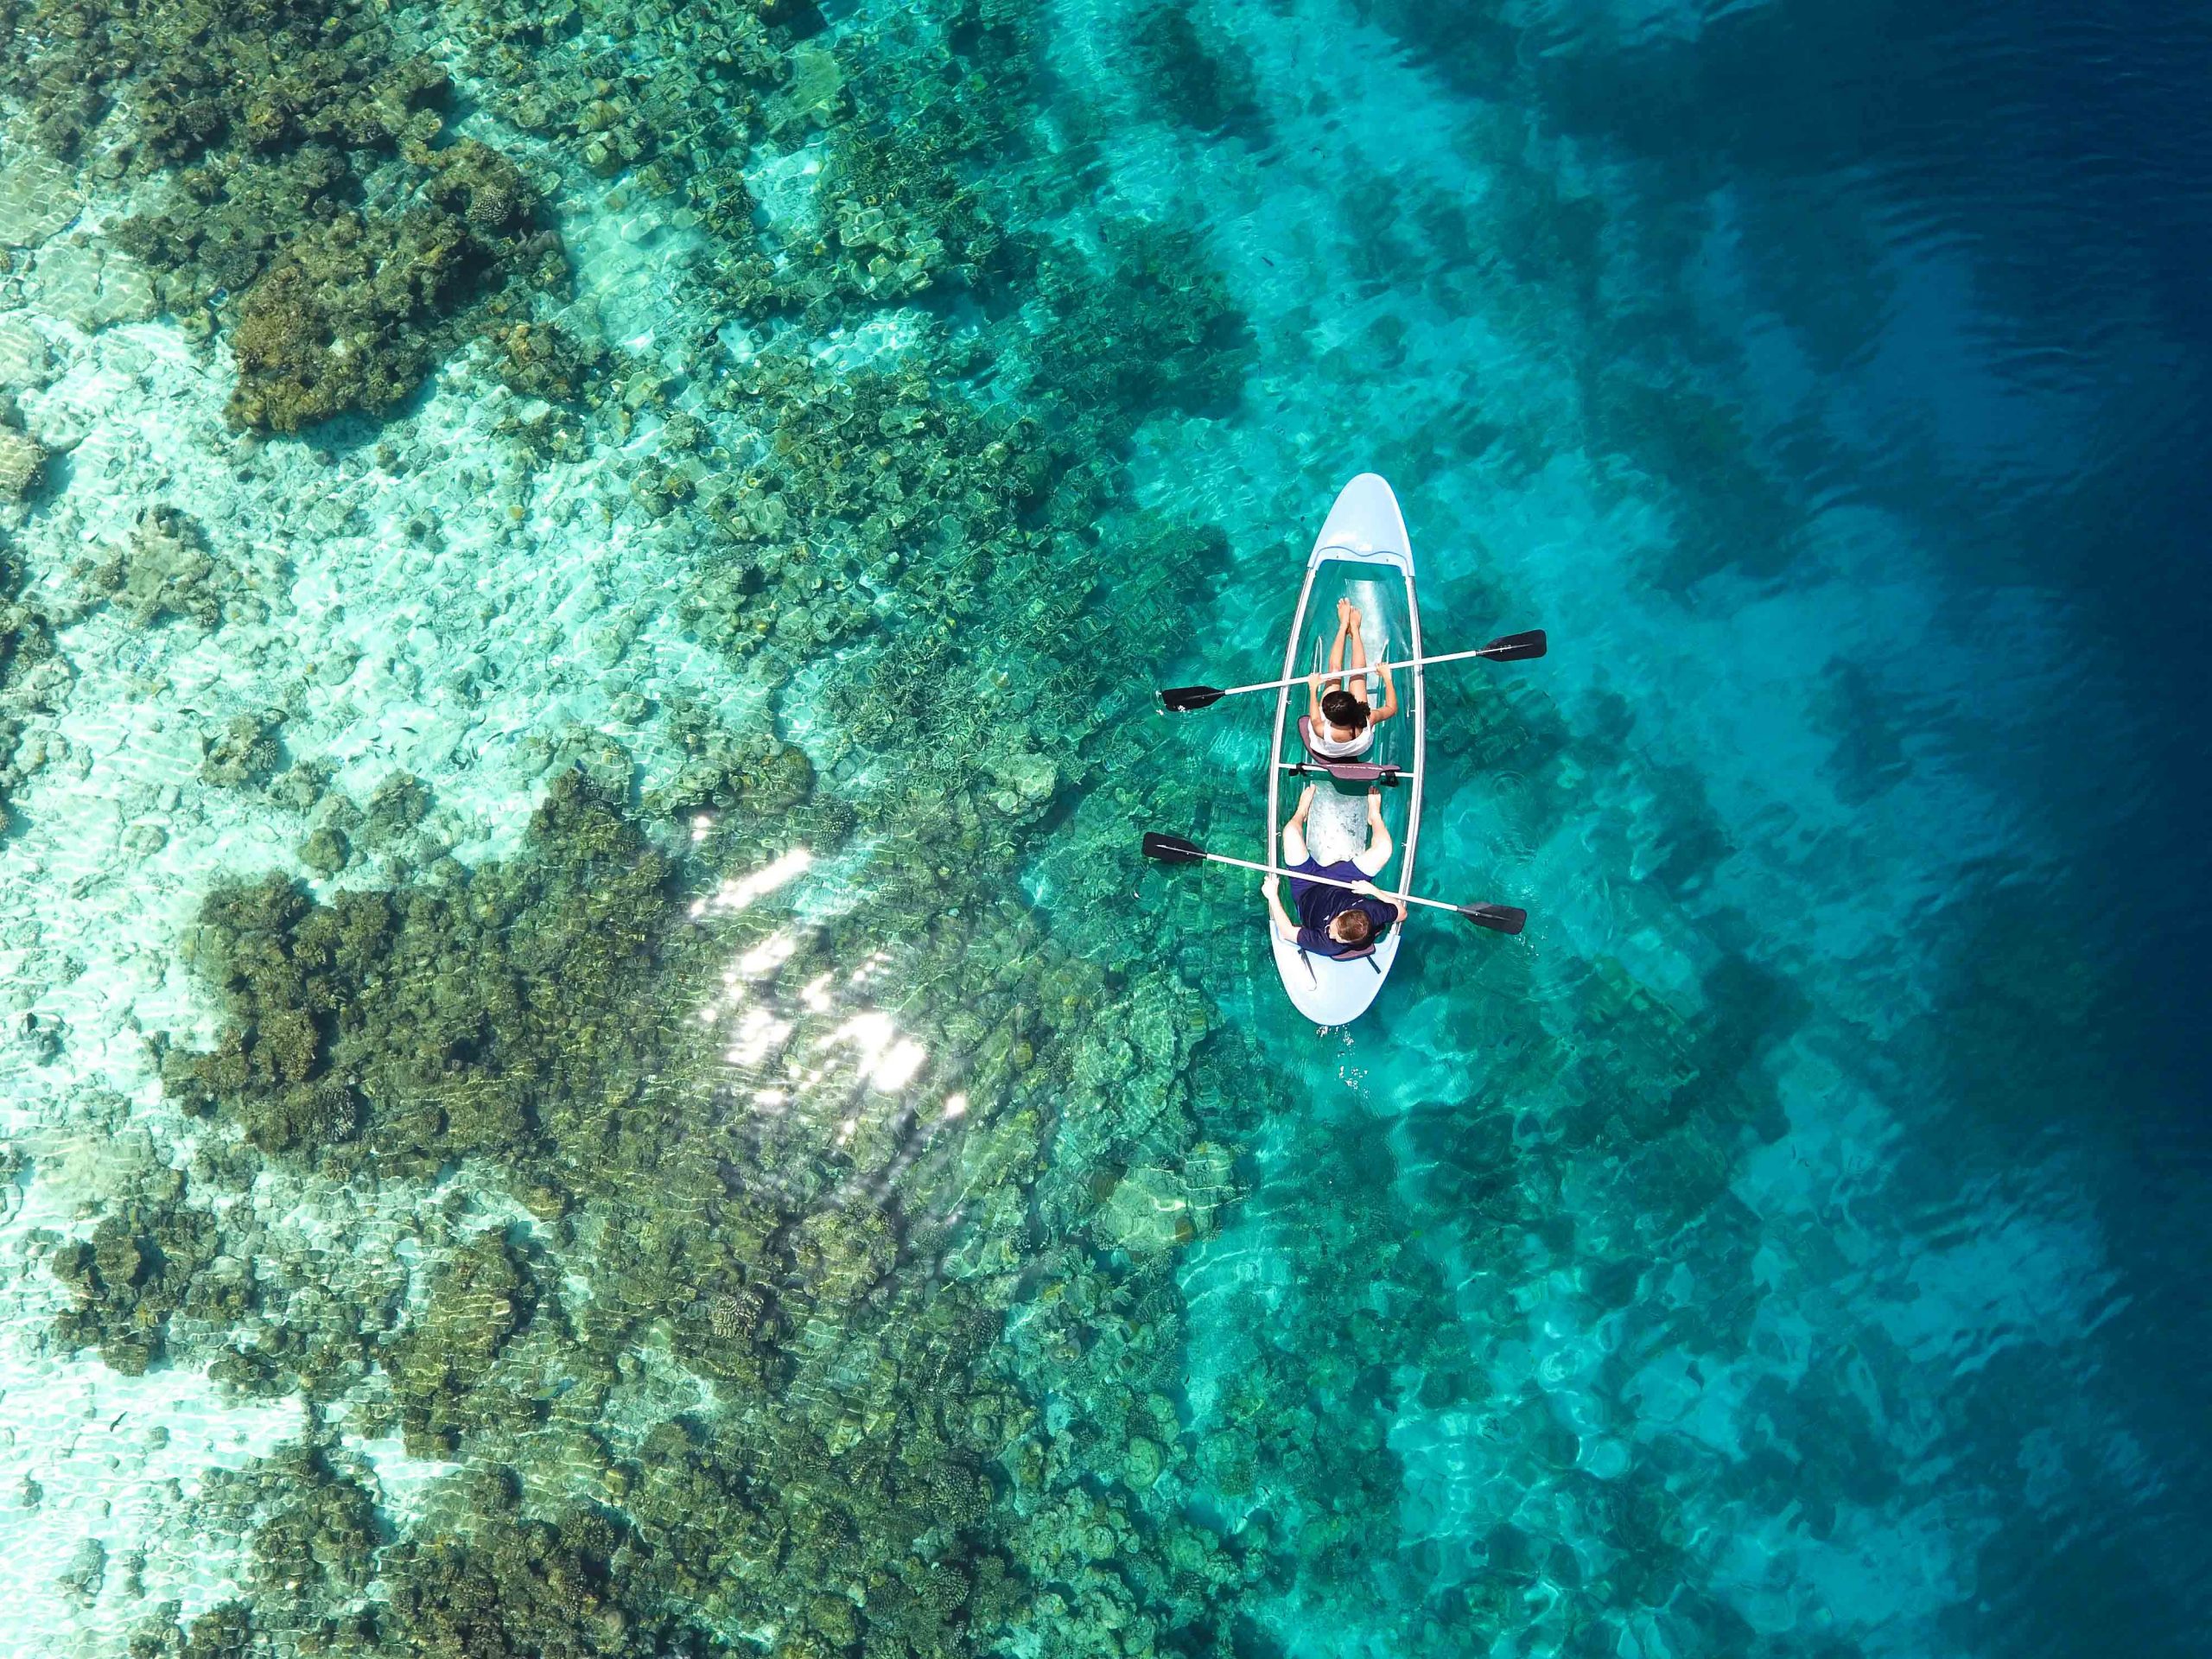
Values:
[(1173, 849), (1507, 648)]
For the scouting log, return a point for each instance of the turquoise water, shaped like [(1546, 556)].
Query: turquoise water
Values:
[(592, 1068)]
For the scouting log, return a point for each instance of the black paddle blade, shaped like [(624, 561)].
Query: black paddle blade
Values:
[(1172, 849), (1516, 647), (1499, 918), (1181, 699)]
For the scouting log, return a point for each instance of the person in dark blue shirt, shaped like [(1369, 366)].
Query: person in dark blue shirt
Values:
[(1334, 921)]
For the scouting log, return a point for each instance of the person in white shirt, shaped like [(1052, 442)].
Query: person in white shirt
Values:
[(1340, 721)]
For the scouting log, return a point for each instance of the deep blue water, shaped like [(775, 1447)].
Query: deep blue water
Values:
[(1831, 381)]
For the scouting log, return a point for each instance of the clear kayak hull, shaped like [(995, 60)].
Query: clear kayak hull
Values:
[(1362, 554)]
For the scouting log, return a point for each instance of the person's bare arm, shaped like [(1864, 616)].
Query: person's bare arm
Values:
[(1389, 898)]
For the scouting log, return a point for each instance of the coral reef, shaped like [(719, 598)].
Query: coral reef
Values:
[(1154, 330), (395, 806), (392, 1033), (352, 315), (153, 1256), (169, 569), (479, 1297), (599, 79), (521, 1587), (21, 462), (545, 360), (311, 1508), (745, 780), (325, 851), (423, 1018), (337, 322), (26, 650), (248, 752), (308, 205), (218, 73)]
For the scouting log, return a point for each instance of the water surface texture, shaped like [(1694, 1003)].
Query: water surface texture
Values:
[(590, 1067)]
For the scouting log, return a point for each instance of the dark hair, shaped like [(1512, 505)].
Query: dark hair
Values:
[(1359, 926), (1340, 708)]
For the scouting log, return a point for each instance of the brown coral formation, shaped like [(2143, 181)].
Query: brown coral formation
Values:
[(339, 321), (308, 207), (152, 1256), (28, 664), (22, 461)]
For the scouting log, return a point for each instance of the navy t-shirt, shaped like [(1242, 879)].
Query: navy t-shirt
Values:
[(1318, 905)]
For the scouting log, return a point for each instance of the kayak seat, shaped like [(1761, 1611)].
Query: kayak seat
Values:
[(1344, 772)]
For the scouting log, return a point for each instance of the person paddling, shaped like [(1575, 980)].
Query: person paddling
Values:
[(1340, 722), (1333, 921)]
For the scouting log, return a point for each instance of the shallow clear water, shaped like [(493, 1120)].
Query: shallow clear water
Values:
[(913, 1225)]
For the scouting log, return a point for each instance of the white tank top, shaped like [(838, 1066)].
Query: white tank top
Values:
[(1327, 750)]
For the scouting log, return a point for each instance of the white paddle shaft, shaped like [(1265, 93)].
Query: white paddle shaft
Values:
[(1347, 671), (1325, 881)]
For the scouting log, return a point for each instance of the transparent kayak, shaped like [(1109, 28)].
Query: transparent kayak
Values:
[(1362, 554)]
